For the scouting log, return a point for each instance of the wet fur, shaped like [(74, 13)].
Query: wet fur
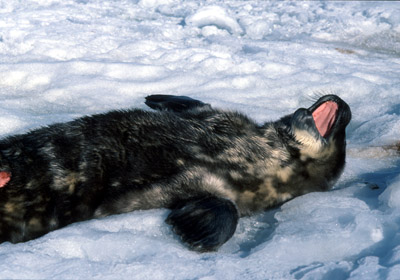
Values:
[(208, 166)]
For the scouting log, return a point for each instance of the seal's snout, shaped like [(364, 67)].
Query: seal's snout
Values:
[(325, 116), (330, 114)]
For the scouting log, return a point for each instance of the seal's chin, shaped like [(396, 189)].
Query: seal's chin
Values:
[(325, 116)]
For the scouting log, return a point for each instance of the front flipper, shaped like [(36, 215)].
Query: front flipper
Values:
[(205, 223), (173, 103)]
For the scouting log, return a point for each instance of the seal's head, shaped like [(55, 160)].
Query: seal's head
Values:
[(319, 134), (323, 122)]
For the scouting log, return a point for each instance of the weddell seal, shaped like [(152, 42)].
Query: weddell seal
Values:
[(208, 166)]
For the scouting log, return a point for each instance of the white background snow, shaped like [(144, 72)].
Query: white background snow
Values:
[(61, 59)]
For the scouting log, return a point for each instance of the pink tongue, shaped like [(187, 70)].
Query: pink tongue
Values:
[(325, 116)]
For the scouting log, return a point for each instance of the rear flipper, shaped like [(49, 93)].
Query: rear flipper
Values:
[(205, 223), (173, 103)]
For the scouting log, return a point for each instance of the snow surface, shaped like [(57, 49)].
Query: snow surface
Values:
[(61, 59)]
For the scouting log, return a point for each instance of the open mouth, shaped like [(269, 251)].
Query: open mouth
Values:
[(325, 116)]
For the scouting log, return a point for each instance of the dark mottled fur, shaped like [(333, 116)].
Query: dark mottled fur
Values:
[(209, 166)]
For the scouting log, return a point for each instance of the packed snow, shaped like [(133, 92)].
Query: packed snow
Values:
[(61, 59)]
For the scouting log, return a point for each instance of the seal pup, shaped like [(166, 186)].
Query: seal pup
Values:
[(209, 166)]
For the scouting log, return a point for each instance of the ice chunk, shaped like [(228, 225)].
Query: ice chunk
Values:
[(391, 196), (214, 15), (367, 267), (323, 227)]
